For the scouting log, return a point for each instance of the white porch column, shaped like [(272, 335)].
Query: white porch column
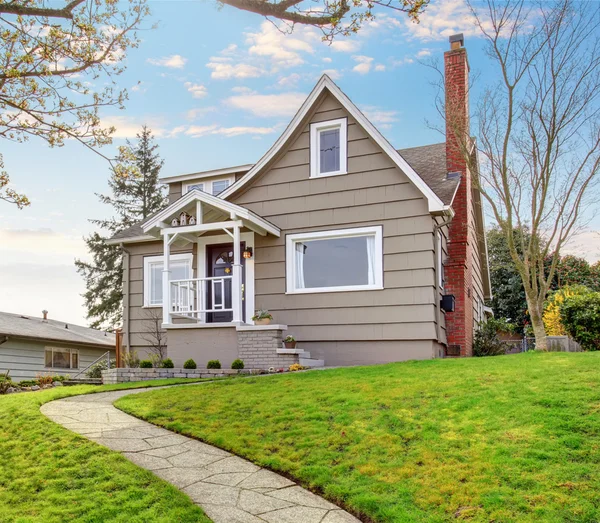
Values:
[(165, 281), (236, 287)]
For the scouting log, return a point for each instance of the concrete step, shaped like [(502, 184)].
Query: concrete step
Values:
[(310, 362)]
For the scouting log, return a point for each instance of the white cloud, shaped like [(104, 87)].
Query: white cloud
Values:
[(334, 74), (138, 87), (199, 112), (240, 89), (327, 60), (364, 64), (175, 61), (379, 68), (283, 50), (345, 46), (586, 245), (289, 81), (424, 53), (197, 90), (197, 131), (227, 71), (443, 19), (266, 105), (380, 117)]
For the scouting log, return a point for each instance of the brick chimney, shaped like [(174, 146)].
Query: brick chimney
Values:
[(458, 267)]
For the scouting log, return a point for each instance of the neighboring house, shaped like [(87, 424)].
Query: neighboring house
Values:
[(343, 238), (30, 346)]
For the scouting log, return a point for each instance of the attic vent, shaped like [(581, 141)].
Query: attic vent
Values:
[(453, 175), (66, 325)]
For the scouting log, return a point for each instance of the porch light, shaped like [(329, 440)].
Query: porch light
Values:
[(248, 253)]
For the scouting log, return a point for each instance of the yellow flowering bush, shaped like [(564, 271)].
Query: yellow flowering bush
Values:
[(552, 321)]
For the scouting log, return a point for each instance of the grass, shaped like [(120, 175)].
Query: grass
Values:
[(510, 438), (50, 474)]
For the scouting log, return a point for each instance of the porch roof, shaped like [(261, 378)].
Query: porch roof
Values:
[(216, 214)]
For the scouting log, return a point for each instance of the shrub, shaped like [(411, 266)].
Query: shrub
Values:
[(189, 364), (213, 364), (237, 364), (27, 383), (145, 364), (131, 360), (486, 341), (262, 314), (580, 316), (95, 371), (167, 364), (60, 377), (44, 379), (552, 319)]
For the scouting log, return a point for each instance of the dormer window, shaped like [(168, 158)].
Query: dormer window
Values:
[(328, 148)]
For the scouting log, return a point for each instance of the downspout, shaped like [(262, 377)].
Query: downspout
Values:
[(126, 292), (438, 311)]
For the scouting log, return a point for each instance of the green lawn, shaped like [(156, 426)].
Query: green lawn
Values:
[(511, 438), (50, 474)]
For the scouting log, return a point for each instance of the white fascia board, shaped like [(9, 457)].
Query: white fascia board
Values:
[(132, 239), (206, 174), (219, 203), (434, 203)]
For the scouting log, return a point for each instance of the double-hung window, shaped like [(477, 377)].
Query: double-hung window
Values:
[(335, 261), (214, 187), (180, 266), (60, 358), (328, 148)]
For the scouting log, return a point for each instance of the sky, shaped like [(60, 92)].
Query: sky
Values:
[(217, 87)]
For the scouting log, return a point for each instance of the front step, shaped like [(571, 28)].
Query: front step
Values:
[(312, 363)]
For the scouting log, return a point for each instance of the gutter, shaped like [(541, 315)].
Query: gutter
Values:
[(438, 312)]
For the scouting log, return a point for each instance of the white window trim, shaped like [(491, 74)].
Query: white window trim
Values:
[(290, 266), (315, 129), (208, 184), (71, 351), (149, 260)]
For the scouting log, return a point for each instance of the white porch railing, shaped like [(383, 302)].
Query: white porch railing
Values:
[(191, 298)]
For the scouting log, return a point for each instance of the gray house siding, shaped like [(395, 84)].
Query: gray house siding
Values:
[(139, 317), (26, 358), (392, 324)]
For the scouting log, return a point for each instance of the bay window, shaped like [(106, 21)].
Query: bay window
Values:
[(180, 266), (330, 261)]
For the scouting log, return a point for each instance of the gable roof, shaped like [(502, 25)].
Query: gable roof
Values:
[(251, 219), (428, 161), (435, 204), (22, 326)]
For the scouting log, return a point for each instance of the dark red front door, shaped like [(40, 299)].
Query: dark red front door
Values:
[(220, 263)]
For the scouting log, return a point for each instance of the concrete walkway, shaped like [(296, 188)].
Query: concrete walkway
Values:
[(228, 488)]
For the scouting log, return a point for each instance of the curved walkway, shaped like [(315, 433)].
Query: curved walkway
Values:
[(228, 488)]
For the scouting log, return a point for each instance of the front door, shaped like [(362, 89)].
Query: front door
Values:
[(220, 263)]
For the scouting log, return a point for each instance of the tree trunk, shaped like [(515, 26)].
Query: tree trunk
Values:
[(536, 311)]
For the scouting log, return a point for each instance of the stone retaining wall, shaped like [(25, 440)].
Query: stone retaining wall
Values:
[(125, 375)]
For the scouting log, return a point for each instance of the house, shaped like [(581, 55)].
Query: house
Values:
[(30, 346), (348, 242)]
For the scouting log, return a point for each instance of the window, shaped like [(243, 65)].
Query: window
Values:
[(57, 358), (181, 269), (214, 187), (328, 148), (199, 186), (440, 259), (330, 261), (218, 186)]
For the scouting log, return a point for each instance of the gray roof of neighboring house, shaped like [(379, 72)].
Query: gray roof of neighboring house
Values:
[(22, 326), (429, 161)]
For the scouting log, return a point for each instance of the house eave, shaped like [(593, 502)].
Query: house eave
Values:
[(206, 174)]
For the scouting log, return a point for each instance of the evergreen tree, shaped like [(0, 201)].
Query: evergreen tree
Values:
[(135, 195)]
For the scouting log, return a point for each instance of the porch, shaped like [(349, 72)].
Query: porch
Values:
[(222, 290)]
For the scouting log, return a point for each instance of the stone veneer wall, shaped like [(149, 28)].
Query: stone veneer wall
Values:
[(257, 347), (125, 375)]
